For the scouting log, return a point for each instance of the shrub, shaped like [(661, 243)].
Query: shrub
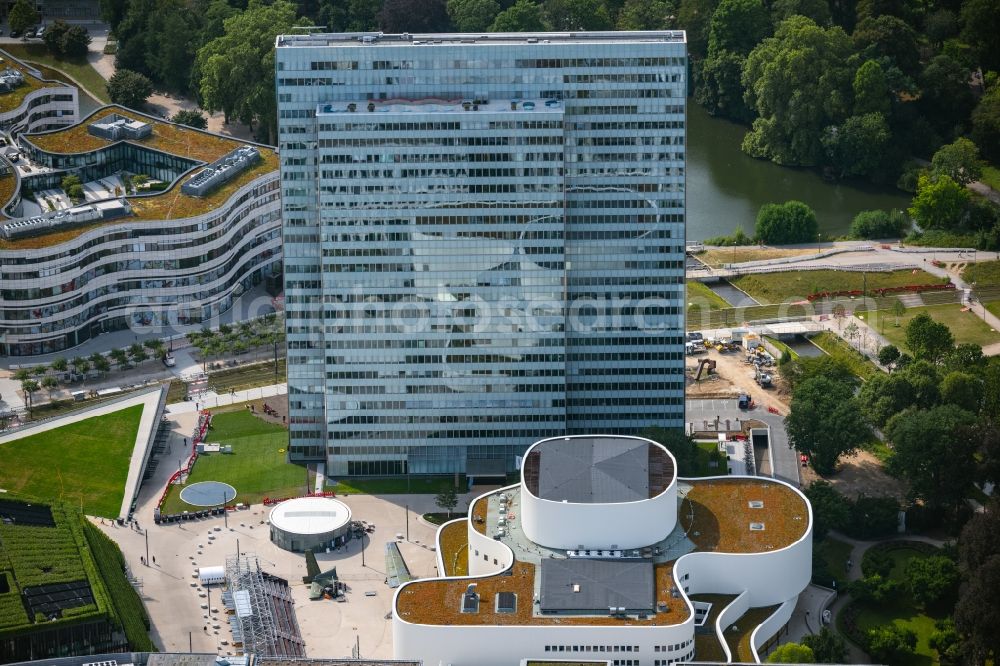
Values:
[(890, 644), (879, 224), (873, 517), (790, 222)]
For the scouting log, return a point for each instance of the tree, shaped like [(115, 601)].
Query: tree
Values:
[(137, 353), (959, 161), (888, 37), (446, 499), (805, 368), (170, 55), (473, 15), (645, 15), (791, 653), (799, 83), (684, 448), (825, 422), (59, 364), (54, 34), (76, 42), (890, 644), (790, 222), (191, 118), (977, 614), (962, 390), (130, 89), (888, 354), (884, 396), (932, 580), (29, 387), (928, 339), (831, 510), (101, 364), (22, 16), (817, 10), (720, 89), (50, 383), (828, 647), (857, 146), (986, 124), (981, 30), (874, 588), (898, 310), (413, 16), (946, 97), (522, 16), (933, 449), (737, 26), (572, 15), (154, 346), (237, 69), (120, 357), (696, 17), (940, 203), (871, 89)]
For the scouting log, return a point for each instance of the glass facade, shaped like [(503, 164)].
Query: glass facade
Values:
[(483, 243)]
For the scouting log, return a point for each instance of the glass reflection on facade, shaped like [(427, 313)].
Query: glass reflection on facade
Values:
[(484, 243)]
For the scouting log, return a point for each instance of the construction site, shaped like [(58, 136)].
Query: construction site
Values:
[(730, 363)]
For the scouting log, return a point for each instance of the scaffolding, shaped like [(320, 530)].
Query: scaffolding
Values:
[(264, 620)]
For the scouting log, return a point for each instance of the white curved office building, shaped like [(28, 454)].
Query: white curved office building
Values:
[(171, 224), (29, 102), (602, 553)]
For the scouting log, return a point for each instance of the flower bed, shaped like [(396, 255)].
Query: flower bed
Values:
[(882, 291)]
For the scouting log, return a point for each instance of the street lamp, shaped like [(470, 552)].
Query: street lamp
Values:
[(819, 237)]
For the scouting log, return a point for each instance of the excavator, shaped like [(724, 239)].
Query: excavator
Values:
[(705, 363)]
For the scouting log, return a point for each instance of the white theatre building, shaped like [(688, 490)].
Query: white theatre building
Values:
[(602, 553)]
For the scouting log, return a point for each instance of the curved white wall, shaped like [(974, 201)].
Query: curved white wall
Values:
[(770, 626), (621, 525), (727, 617)]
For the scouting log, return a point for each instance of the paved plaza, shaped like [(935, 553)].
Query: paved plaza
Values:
[(177, 604)]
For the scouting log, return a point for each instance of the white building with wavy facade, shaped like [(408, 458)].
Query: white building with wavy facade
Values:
[(172, 226), (602, 553), (30, 102)]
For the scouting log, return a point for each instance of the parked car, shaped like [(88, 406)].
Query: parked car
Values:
[(40, 32), (15, 33)]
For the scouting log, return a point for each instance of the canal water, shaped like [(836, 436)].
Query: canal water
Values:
[(726, 188)]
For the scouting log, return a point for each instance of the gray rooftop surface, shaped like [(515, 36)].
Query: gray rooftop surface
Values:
[(368, 39), (582, 585), (593, 470)]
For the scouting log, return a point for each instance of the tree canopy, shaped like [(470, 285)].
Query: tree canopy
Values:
[(129, 88), (790, 222), (928, 339), (825, 422)]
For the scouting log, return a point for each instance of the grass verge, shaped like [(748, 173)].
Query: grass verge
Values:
[(454, 545), (256, 468), (967, 327), (983, 273), (81, 463), (76, 68), (836, 347), (796, 285), (247, 377), (740, 254), (831, 555), (400, 485), (442, 517)]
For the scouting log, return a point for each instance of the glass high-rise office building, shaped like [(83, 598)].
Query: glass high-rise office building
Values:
[(483, 242)]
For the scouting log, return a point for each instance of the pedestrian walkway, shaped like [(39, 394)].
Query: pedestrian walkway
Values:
[(211, 399)]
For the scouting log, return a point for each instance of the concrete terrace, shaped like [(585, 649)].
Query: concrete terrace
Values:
[(714, 515)]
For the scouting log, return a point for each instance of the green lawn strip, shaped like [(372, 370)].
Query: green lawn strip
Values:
[(983, 273), (399, 485), (991, 177), (967, 327), (704, 468), (442, 517), (833, 554), (240, 379), (177, 391), (938, 238), (87, 460), (739, 640), (77, 69), (257, 467), (127, 604), (836, 347), (699, 295), (994, 308), (796, 285), (781, 346)]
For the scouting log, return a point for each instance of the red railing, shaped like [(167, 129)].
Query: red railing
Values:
[(204, 422), (270, 501)]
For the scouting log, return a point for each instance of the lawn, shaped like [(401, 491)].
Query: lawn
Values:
[(991, 177), (994, 308), (400, 485), (83, 462), (965, 326), (836, 347), (796, 285), (247, 377), (76, 68), (701, 301), (740, 254), (256, 468), (704, 468), (983, 273)]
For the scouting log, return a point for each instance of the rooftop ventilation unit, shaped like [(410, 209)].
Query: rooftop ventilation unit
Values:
[(506, 602), (221, 171), (470, 600), (10, 78), (61, 219), (756, 527), (116, 127)]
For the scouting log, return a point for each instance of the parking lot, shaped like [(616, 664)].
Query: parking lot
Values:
[(174, 598)]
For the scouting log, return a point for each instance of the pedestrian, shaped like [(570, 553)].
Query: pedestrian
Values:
[(154, 559)]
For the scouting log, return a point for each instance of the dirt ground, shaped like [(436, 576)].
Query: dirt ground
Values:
[(859, 473), (278, 403)]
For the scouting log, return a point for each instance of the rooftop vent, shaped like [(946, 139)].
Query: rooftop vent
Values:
[(756, 527), (43, 224), (10, 78), (470, 600), (115, 127), (756, 504), (221, 171), (506, 602)]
